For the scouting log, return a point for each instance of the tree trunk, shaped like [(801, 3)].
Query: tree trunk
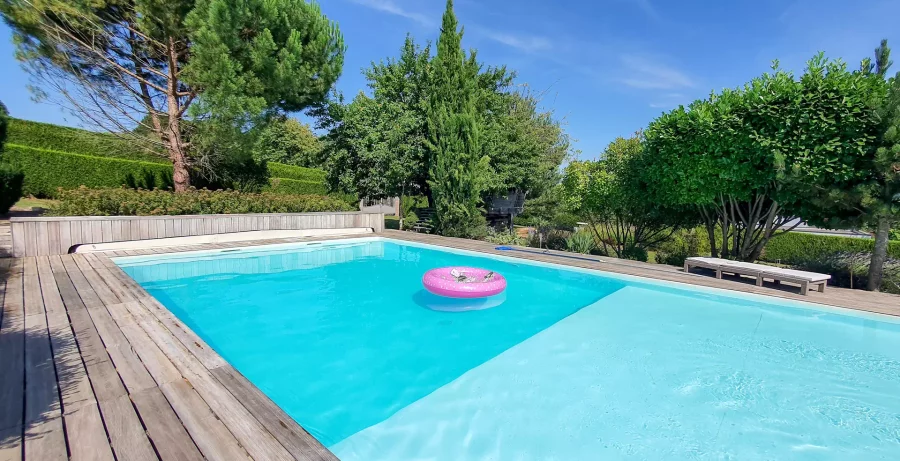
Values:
[(876, 267), (180, 175)]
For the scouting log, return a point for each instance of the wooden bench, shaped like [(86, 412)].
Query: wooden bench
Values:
[(806, 280)]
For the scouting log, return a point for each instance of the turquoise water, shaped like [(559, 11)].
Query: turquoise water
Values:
[(569, 365)]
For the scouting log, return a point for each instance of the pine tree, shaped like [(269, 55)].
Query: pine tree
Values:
[(454, 134), (881, 198)]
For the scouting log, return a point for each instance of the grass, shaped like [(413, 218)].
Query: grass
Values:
[(28, 203)]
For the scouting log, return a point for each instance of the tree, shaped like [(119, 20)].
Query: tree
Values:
[(223, 65), (752, 160), (285, 140), (871, 198), (611, 194), (454, 133)]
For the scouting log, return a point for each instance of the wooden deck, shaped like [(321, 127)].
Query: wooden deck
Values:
[(93, 368)]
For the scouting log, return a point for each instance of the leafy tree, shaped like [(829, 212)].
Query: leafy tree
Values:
[(224, 65), (749, 159), (285, 140), (454, 133), (611, 194)]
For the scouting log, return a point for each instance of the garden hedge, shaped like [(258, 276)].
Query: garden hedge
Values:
[(47, 170), (76, 141), (92, 151), (132, 202), (299, 173), (293, 186), (798, 247)]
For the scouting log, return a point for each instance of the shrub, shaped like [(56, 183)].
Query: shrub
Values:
[(130, 202), (46, 171), (581, 242), (299, 173), (504, 238), (293, 186), (851, 269), (635, 253), (682, 245), (797, 247), (10, 186)]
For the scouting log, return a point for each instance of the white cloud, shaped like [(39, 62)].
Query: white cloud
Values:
[(645, 74), (528, 43), (388, 6)]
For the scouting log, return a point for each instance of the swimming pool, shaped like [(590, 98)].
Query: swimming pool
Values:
[(570, 364)]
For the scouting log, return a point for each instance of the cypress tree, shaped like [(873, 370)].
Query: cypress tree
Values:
[(453, 132)]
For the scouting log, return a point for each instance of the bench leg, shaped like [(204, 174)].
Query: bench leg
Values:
[(718, 273), (804, 288), (822, 287), (759, 280), (687, 268)]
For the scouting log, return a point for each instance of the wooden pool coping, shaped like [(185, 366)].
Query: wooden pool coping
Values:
[(93, 367)]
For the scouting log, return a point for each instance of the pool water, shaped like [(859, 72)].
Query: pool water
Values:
[(567, 364)]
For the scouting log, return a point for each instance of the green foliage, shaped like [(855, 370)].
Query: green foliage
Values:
[(11, 180), (611, 194), (635, 253), (76, 141), (131, 202), (277, 170), (254, 56), (293, 186), (4, 125), (753, 158), (377, 145), (504, 238), (207, 72), (454, 134), (47, 170), (581, 242), (796, 247), (850, 269), (683, 244), (287, 141)]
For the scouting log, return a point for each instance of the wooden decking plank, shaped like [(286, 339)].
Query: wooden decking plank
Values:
[(248, 431), (83, 425), (126, 434), (86, 434), (169, 436), (97, 284), (12, 362), (207, 356), (44, 437), (294, 438), (88, 296), (213, 439), (125, 430)]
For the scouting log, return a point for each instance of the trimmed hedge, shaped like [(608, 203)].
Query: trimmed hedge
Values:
[(798, 247), (131, 202), (46, 170), (299, 173), (45, 138), (293, 186), (77, 141), (10, 186)]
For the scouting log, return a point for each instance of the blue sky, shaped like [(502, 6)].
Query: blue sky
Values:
[(608, 67)]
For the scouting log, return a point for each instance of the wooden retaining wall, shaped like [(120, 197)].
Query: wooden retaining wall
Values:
[(38, 236)]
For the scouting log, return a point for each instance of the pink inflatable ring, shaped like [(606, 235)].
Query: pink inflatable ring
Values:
[(463, 282)]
